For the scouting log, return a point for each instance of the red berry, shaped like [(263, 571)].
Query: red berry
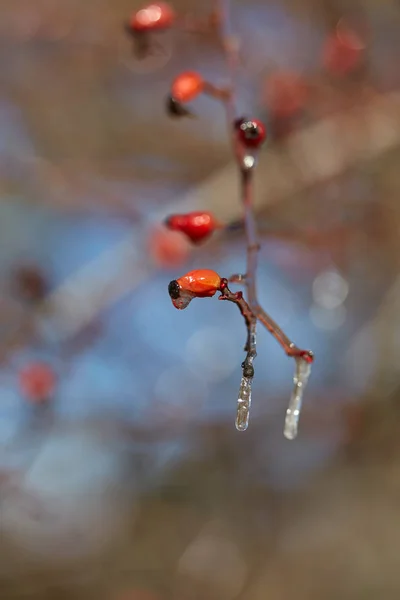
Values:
[(343, 51), (154, 17), (168, 248), (251, 132), (197, 225), (37, 382), (187, 86)]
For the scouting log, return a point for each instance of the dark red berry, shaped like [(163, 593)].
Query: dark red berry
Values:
[(251, 133)]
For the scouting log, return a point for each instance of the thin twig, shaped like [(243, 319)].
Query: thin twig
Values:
[(253, 311), (251, 236), (246, 171), (244, 397)]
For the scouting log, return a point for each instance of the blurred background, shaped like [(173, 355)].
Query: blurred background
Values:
[(122, 476)]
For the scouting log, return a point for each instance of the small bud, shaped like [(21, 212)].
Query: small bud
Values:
[(197, 226), (248, 371)]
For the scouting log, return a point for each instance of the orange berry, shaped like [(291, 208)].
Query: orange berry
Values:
[(187, 86), (201, 283)]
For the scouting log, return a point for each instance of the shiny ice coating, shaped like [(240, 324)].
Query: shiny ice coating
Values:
[(243, 405), (301, 375)]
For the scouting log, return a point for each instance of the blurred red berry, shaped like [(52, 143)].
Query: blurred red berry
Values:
[(285, 94), (197, 225), (168, 248), (251, 132), (343, 51), (187, 86), (30, 283), (37, 382), (154, 17)]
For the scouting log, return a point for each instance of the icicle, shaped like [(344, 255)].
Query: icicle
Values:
[(301, 375), (243, 405)]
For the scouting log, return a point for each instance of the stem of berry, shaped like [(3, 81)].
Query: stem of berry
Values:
[(246, 165), (244, 397)]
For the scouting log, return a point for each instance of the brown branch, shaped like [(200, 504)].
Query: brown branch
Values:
[(252, 311), (288, 346), (244, 397), (246, 312)]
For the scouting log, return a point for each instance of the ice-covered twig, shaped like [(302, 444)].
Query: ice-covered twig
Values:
[(246, 168), (301, 375), (244, 397), (303, 359), (246, 165)]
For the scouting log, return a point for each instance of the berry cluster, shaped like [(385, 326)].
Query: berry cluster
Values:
[(248, 135)]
